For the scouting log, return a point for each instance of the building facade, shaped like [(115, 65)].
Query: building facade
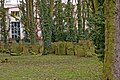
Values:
[(15, 26)]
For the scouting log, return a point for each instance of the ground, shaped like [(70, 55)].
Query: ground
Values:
[(50, 67)]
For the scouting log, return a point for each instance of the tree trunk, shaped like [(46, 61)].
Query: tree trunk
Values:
[(51, 7), (32, 23), (70, 21), (109, 39), (79, 20), (116, 57), (4, 28), (83, 18), (47, 25), (112, 40)]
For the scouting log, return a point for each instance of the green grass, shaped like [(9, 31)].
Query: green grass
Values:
[(50, 67)]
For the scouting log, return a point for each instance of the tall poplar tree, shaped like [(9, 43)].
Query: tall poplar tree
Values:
[(79, 20), (46, 24), (58, 21), (82, 8), (70, 21)]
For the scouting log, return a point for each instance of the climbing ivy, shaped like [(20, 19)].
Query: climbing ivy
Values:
[(47, 25)]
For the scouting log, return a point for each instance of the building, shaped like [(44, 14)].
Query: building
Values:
[(15, 26)]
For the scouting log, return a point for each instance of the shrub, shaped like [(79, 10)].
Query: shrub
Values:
[(61, 48), (70, 48), (79, 51), (88, 48)]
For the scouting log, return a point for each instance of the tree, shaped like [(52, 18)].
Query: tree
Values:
[(58, 21), (4, 27), (83, 10), (46, 23), (59, 29), (79, 20), (71, 28), (51, 7), (24, 20), (96, 22), (28, 20), (83, 17), (31, 21), (112, 40)]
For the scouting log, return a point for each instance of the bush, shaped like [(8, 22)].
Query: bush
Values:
[(87, 48), (36, 49), (70, 48), (79, 51), (59, 48)]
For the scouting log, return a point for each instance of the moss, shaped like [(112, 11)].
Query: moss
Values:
[(95, 6), (109, 38)]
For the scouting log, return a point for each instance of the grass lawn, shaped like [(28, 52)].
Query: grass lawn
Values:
[(50, 67)]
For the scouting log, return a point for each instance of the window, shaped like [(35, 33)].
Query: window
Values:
[(15, 13), (15, 29)]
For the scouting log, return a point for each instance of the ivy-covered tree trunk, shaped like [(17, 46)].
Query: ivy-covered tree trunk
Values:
[(96, 22), (4, 28), (95, 5), (46, 23), (58, 28), (70, 21), (51, 7), (79, 20), (32, 22), (112, 40)]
